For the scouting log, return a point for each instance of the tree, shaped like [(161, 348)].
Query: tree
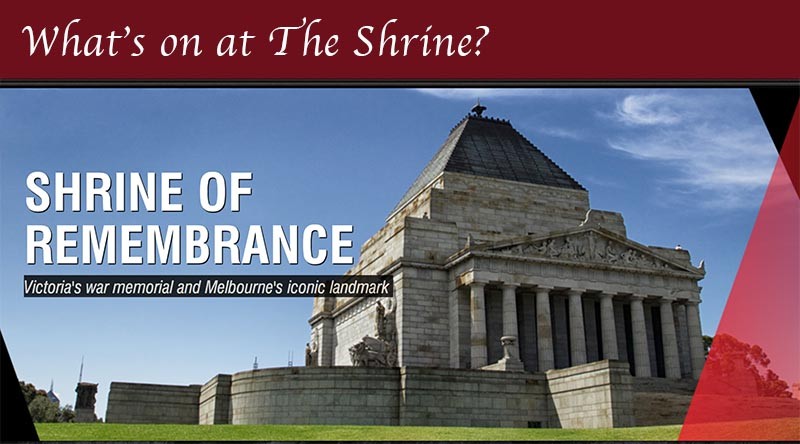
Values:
[(746, 366), (29, 391), (707, 340), (66, 414), (772, 386), (41, 408)]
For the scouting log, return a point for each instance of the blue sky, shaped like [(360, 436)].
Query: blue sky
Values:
[(684, 167)]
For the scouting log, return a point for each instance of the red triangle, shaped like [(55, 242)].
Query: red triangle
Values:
[(736, 397)]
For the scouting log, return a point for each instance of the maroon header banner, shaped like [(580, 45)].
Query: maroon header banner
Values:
[(410, 40)]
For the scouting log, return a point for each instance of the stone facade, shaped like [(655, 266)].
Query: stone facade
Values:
[(153, 403), (476, 256), (515, 304)]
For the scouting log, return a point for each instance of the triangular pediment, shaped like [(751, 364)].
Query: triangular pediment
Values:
[(588, 245)]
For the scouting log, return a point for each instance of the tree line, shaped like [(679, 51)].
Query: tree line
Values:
[(41, 408)]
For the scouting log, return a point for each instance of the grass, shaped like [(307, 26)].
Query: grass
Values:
[(773, 429), (174, 432)]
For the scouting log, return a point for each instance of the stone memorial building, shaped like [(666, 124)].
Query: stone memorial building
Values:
[(515, 304)]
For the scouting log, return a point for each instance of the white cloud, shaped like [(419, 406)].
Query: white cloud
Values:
[(651, 109), (715, 156), (563, 133), (606, 182)]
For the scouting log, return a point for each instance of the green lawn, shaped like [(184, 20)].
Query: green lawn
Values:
[(164, 432), (771, 429)]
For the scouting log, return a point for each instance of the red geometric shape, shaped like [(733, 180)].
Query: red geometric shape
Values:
[(791, 158), (745, 391)]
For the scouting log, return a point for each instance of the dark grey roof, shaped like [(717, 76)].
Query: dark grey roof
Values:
[(491, 147)]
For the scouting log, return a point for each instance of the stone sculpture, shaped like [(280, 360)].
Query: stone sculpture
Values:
[(380, 351)]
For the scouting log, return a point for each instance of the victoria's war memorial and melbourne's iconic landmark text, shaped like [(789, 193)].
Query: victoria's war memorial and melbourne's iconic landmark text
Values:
[(515, 304)]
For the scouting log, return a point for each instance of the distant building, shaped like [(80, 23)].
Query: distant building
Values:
[(51, 395)]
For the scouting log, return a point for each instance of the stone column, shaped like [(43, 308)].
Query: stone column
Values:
[(696, 350), (577, 337), (544, 330), (510, 315), (639, 332), (683, 339), (608, 326), (672, 363), (477, 310)]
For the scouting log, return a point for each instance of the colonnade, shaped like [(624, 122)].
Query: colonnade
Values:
[(577, 335)]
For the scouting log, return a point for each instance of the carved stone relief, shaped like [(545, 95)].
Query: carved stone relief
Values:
[(588, 247)]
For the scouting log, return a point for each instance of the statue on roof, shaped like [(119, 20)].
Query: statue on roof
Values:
[(478, 109)]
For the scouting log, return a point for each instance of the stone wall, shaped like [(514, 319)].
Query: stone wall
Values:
[(431, 241), (659, 401), (215, 401), (610, 220), (460, 397), (423, 300), (423, 318), (389, 396), (489, 209), (152, 403), (316, 395), (594, 395)]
